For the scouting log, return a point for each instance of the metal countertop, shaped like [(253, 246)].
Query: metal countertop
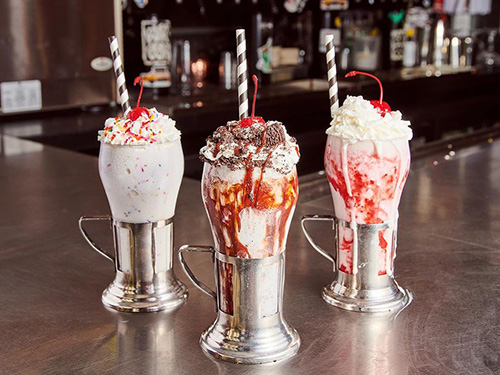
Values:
[(52, 320)]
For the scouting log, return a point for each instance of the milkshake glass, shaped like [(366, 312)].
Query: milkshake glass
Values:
[(367, 160), (249, 210), (250, 190), (141, 165), (366, 180)]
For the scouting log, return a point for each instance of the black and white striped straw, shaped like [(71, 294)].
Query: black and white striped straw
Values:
[(333, 90), (119, 73), (242, 73)]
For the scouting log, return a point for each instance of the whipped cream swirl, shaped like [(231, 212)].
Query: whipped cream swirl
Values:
[(358, 119), (261, 145), (150, 127)]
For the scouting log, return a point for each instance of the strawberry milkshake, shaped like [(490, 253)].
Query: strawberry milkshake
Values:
[(367, 160)]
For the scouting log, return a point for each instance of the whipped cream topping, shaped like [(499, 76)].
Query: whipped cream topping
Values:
[(151, 127), (358, 119), (261, 145)]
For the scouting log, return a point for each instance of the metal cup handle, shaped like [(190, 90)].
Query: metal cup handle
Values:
[(315, 246), (85, 235), (199, 284)]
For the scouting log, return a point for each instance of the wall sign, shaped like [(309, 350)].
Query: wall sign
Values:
[(21, 96), (101, 64), (156, 46)]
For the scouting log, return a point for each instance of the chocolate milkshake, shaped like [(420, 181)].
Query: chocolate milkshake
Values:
[(250, 189), (250, 186)]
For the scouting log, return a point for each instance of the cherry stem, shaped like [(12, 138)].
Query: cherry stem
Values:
[(355, 73), (255, 79), (136, 81)]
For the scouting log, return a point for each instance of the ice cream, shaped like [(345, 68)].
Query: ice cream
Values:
[(250, 186), (141, 127), (359, 120), (367, 160)]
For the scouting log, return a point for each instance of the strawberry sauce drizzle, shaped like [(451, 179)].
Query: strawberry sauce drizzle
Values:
[(383, 246), (374, 179), (368, 206)]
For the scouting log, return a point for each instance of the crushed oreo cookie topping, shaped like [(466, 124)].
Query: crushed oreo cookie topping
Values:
[(258, 144)]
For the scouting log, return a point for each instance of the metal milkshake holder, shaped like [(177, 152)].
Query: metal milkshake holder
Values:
[(365, 290), (249, 327), (143, 258)]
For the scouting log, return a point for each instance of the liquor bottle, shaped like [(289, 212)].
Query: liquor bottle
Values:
[(396, 38), (410, 48), (261, 40), (330, 24)]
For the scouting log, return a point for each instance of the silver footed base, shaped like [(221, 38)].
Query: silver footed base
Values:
[(386, 300), (125, 299), (257, 347)]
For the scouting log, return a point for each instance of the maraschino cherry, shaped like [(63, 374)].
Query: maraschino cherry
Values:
[(380, 105), (248, 121), (137, 112)]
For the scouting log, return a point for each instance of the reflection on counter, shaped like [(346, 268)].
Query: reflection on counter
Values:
[(10, 146), (373, 346), (154, 336)]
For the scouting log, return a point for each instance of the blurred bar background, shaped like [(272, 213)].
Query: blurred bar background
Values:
[(438, 60)]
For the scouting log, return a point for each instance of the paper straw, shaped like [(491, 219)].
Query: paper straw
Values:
[(333, 90), (242, 72), (119, 73)]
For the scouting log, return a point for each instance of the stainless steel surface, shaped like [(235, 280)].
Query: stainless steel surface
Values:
[(365, 290), (250, 327), (55, 41), (52, 320), (145, 280)]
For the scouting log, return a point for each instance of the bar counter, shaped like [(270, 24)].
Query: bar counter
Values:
[(438, 106), (52, 320)]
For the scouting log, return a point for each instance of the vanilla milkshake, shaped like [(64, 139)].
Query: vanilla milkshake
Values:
[(367, 160), (141, 166)]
